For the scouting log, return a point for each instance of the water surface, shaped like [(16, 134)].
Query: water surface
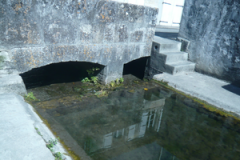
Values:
[(133, 123)]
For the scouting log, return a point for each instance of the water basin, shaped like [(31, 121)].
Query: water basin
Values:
[(136, 121)]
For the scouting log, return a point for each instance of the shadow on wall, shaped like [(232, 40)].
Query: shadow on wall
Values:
[(58, 73), (233, 87), (136, 67), (167, 35)]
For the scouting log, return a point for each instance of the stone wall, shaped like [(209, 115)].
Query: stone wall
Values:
[(36, 33), (213, 29)]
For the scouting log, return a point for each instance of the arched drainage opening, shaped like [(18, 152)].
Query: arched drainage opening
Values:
[(59, 73), (136, 67)]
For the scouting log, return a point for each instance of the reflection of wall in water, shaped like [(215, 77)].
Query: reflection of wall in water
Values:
[(151, 118), (191, 132), (125, 119)]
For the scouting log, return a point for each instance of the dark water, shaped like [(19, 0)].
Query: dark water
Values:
[(137, 124)]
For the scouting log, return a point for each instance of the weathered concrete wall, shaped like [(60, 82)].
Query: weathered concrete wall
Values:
[(38, 32), (213, 29)]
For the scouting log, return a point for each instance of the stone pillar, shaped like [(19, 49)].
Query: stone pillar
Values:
[(110, 73)]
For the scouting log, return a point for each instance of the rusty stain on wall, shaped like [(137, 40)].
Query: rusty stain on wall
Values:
[(18, 7)]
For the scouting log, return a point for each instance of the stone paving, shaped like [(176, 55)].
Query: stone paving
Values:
[(18, 136), (214, 91)]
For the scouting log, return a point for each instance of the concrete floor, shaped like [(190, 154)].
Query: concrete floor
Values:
[(214, 91), (19, 139)]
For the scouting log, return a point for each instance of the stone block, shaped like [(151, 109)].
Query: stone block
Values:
[(121, 33), (109, 33)]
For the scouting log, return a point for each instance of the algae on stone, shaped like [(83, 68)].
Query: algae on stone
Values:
[(1, 61)]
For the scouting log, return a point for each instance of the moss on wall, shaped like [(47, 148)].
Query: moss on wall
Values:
[(1, 61)]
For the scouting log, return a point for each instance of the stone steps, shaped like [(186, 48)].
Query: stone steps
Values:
[(180, 66), (162, 45), (167, 57)]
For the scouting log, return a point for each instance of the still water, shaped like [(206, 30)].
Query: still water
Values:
[(133, 123)]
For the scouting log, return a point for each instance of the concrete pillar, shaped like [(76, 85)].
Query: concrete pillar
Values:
[(111, 73)]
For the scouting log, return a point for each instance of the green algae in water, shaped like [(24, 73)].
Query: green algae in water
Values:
[(145, 124), (1, 61)]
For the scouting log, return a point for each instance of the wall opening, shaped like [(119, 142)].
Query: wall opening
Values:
[(136, 67), (63, 72)]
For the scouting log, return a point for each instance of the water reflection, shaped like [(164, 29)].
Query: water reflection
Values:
[(156, 124), (147, 111)]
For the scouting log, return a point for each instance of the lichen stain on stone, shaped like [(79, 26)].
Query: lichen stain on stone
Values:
[(109, 50), (102, 16), (86, 51), (18, 7), (12, 30), (27, 9), (32, 59), (29, 41)]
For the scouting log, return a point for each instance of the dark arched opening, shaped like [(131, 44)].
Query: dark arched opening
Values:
[(58, 73), (136, 67)]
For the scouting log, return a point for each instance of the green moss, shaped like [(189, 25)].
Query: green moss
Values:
[(30, 97), (101, 94), (204, 104), (62, 89), (1, 61), (52, 93), (131, 91)]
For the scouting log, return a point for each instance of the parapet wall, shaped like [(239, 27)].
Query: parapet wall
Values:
[(38, 32)]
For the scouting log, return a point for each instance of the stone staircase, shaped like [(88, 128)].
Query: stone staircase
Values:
[(167, 57)]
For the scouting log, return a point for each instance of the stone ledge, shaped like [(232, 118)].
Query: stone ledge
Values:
[(214, 91), (12, 84), (18, 137)]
